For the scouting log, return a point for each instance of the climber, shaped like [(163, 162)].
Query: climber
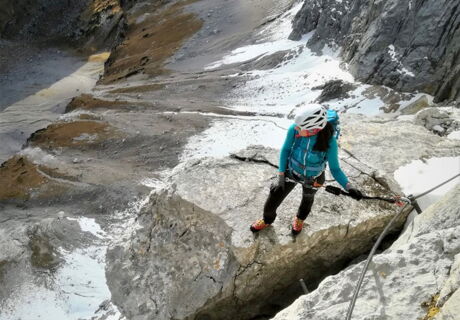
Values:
[(310, 143)]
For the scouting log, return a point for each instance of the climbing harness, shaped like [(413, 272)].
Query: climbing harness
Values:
[(410, 200)]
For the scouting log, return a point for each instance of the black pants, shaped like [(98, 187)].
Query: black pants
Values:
[(277, 195)]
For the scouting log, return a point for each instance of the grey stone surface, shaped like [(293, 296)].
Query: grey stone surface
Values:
[(91, 23), (438, 120), (416, 106), (420, 269), (407, 45), (387, 143), (335, 89), (193, 255), (207, 206)]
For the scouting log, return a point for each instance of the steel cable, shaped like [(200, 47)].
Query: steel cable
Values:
[(377, 243)]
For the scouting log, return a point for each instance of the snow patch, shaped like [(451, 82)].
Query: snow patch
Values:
[(86, 137), (454, 135), (89, 225), (394, 57), (74, 292), (71, 116), (283, 88), (40, 157), (142, 18), (420, 176), (281, 28), (78, 288), (230, 135), (275, 37), (253, 51), (153, 183)]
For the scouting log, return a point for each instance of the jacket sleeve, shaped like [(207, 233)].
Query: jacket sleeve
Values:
[(333, 161), (286, 148)]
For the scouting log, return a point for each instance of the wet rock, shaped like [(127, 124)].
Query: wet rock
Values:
[(416, 277), (193, 256), (44, 255), (400, 44), (30, 250), (334, 89)]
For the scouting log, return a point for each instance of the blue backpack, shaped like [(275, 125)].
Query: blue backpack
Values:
[(333, 118), (305, 161)]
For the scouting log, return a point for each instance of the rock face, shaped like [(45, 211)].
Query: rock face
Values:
[(335, 89), (193, 239), (407, 45), (416, 278), (193, 256), (94, 23), (44, 18)]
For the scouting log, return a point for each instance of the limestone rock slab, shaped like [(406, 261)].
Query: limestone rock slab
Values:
[(402, 281), (194, 257)]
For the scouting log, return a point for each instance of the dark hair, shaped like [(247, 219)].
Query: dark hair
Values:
[(322, 142)]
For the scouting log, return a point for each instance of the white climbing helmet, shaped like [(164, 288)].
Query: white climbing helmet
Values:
[(312, 116)]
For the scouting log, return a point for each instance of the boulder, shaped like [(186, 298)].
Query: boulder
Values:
[(334, 89), (193, 256), (438, 121), (416, 106), (416, 278)]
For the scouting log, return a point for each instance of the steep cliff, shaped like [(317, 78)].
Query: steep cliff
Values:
[(407, 45), (93, 23)]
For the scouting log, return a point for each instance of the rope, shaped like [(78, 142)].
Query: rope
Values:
[(377, 243)]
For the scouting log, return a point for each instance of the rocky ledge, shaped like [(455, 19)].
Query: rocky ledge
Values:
[(416, 278), (193, 256)]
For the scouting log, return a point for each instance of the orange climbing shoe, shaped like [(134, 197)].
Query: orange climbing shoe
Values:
[(259, 225), (297, 226)]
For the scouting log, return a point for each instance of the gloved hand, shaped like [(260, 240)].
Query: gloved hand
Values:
[(354, 193), (282, 181)]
